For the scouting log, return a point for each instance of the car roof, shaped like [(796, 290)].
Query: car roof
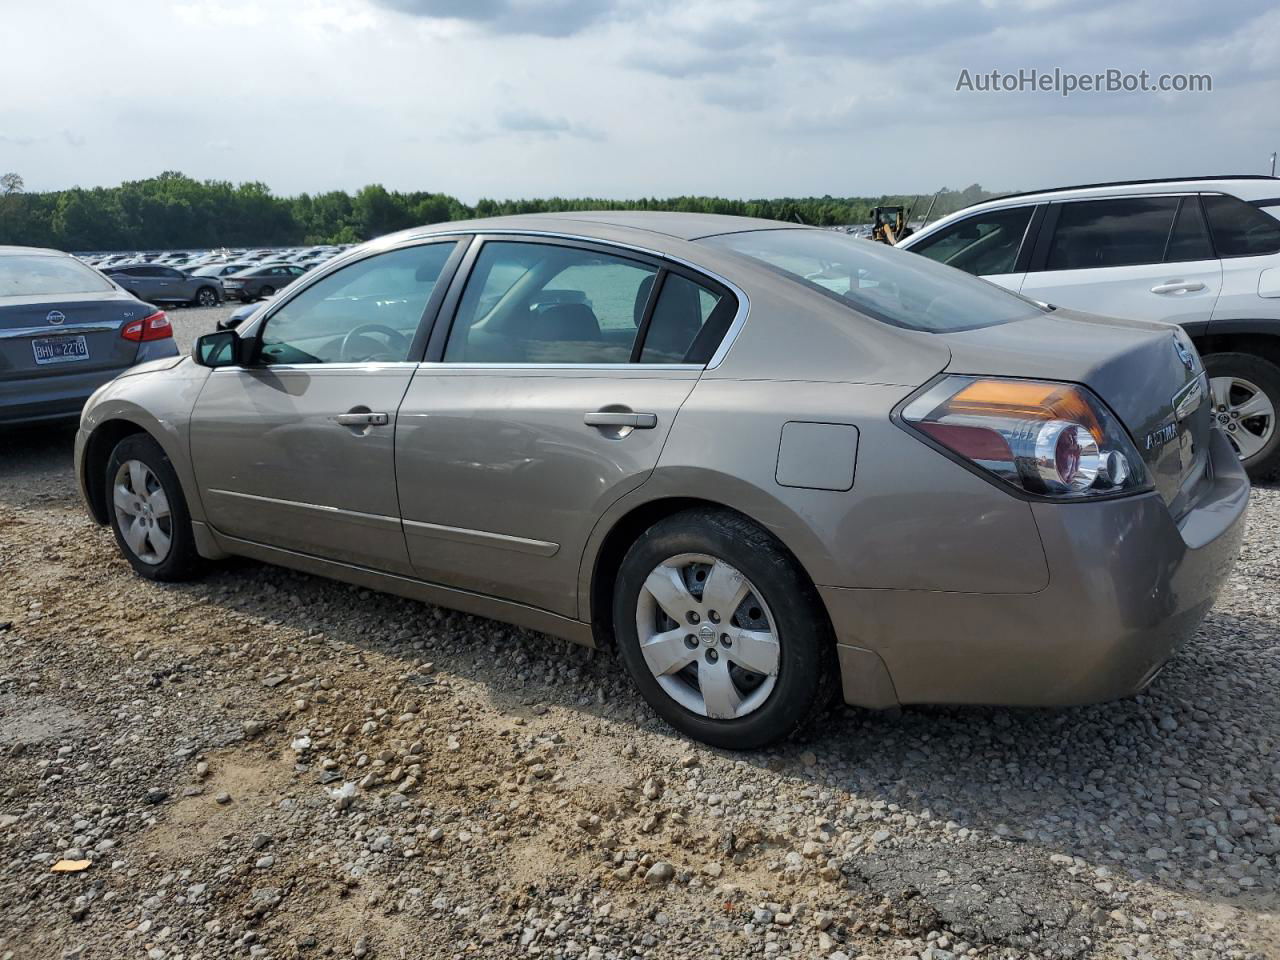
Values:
[(12, 251), (677, 226), (1250, 187)]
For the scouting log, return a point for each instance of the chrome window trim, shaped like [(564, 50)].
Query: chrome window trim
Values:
[(390, 365), (435, 366), (726, 342)]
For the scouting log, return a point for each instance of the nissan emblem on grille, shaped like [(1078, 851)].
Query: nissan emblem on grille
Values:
[(56, 317)]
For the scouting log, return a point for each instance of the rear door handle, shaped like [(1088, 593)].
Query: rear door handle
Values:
[(362, 419), (1178, 286), (608, 418)]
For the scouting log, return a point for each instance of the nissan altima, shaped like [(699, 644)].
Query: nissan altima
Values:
[(771, 465), (65, 329)]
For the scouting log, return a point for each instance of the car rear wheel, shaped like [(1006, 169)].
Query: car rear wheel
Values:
[(1246, 400), (206, 297), (722, 632), (148, 512)]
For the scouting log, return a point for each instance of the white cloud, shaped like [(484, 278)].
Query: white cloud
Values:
[(623, 97)]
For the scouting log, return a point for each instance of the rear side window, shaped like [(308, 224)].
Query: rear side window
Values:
[(985, 244), (1111, 233), (886, 284), (1239, 229), (687, 323), (35, 275)]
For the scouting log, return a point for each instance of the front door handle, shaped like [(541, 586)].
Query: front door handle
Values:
[(1178, 286), (362, 419), (610, 418)]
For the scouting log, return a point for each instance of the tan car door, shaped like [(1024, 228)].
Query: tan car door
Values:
[(297, 450), (542, 410)]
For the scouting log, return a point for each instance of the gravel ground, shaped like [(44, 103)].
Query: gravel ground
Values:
[(265, 764)]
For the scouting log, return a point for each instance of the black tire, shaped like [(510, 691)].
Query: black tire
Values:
[(205, 297), (182, 561), (1265, 464), (807, 677), (266, 291)]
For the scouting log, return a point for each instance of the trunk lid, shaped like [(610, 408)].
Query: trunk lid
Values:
[(42, 326), (1154, 384)]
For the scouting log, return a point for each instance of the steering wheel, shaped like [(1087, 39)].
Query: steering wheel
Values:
[(395, 340)]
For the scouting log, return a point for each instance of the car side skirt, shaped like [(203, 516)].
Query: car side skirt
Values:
[(465, 601)]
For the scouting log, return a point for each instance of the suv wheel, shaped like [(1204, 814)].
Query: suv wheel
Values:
[(148, 511), (722, 632), (1246, 399)]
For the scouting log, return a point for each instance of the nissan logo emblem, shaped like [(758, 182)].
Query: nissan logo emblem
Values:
[(56, 317)]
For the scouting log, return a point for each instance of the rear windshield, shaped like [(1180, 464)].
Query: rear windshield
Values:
[(34, 275), (889, 285)]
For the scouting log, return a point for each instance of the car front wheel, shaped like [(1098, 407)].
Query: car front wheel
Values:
[(722, 632), (1246, 398), (148, 512), (206, 297)]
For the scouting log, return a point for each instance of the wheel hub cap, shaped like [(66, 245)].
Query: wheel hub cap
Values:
[(708, 637), (142, 512), (1245, 412)]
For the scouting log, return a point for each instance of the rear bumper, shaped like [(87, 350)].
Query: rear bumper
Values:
[(1127, 587), (62, 394)]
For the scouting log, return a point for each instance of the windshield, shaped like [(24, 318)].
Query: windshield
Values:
[(33, 275), (889, 285)]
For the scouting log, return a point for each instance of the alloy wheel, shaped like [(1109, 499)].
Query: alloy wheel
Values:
[(1245, 413), (142, 512), (206, 297), (707, 636)]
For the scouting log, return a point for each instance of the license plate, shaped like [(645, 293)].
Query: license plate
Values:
[(60, 349)]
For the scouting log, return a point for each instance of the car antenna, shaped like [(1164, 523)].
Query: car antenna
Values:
[(928, 213)]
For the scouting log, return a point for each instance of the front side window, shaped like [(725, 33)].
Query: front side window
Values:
[(542, 303), (985, 245), (1111, 233), (367, 312), (32, 275), (892, 286), (1240, 229)]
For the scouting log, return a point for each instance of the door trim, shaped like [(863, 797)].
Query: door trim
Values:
[(375, 520), (503, 541)]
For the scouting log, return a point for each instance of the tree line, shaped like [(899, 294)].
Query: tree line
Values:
[(175, 211)]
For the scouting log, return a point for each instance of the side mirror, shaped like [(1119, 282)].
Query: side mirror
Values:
[(222, 348)]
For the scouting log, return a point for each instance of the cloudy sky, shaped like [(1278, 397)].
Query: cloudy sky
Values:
[(626, 98)]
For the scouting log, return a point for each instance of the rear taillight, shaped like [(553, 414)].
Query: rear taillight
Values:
[(1050, 439), (153, 327)]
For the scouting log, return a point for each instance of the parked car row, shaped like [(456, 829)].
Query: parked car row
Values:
[(772, 464)]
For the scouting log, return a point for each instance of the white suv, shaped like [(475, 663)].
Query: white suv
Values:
[(1204, 253)]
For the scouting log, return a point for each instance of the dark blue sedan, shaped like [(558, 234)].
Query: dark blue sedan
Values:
[(65, 330)]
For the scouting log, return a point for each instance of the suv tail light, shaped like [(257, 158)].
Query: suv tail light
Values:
[(154, 327), (1050, 439)]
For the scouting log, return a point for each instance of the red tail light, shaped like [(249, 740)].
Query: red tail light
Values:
[(154, 327)]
